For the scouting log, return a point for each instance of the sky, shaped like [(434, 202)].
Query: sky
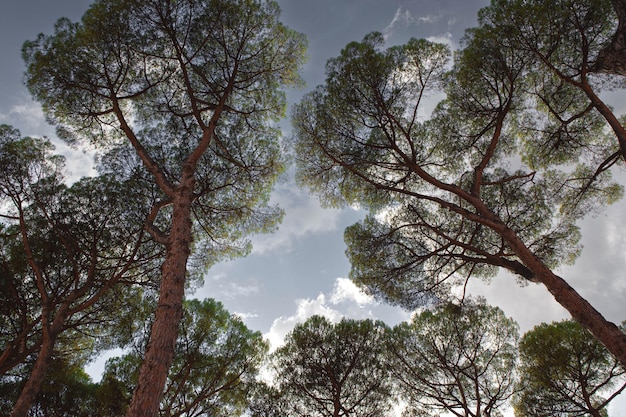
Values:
[(301, 269)]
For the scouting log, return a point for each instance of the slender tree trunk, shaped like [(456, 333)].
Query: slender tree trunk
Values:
[(160, 351), (609, 116), (32, 388), (584, 313), (612, 59)]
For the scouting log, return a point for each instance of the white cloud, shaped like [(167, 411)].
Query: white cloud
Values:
[(305, 309), (304, 216), (400, 17), (95, 368), (224, 287), (231, 290), (446, 39), (406, 19), (345, 300), (528, 305), (346, 291), (245, 316), (28, 117)]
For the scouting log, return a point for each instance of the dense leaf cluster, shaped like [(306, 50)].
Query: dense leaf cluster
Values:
[(185, 96), (181, 100), (519, 147), (461, 359)]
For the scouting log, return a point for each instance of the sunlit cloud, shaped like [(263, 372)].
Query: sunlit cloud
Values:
[(245, 316), (305, 309), (518, 302), (346, 291), (303, 216), (28, 117), (345, 300), (446, 39)]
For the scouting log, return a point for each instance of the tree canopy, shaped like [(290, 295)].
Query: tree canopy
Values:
[(565, 372), (488, 181), (457, 358), (333, 369), (214, 369), (181, 101), (187, 92), (72, 257)]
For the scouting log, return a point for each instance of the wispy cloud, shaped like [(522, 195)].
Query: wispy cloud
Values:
[(405, 18), (232, 290), (224, 287), (304, 216)]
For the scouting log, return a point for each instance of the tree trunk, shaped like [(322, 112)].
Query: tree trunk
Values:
[(32, 388), (160, 351), (584, 313), (609, 116), (612, 59)]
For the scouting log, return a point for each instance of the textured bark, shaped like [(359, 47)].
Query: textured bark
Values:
[(581, 310), (612, 59), (160, 351), (31, 389)]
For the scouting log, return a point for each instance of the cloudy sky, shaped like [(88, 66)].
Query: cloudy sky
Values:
[(301, 270)]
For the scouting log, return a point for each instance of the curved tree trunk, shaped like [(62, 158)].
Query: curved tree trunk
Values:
[(609, 116), (32, 388), (581, 310), (160, 351), (612, 59)]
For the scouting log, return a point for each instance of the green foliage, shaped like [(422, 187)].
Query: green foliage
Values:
[(327, 369), (267, 401), (73, 259), (168, 71), (564, 371), (214, 369), (567, 34), (391, 265), (66, 392), (563, 41), (367, 93), (515, 154), (185, 96), (456, 358)]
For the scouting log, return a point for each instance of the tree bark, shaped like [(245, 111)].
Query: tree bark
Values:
[(612, 59), (581, 310), (608, 115), (32, 388), (160, 351)]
